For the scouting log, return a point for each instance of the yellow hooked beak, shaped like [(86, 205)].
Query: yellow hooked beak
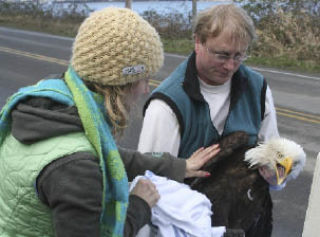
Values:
[(283, 168)]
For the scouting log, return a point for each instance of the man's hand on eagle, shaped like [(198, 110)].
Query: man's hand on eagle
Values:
[(198, 159)]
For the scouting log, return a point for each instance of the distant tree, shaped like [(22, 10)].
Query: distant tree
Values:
[(129, 4), (259, 9), (194, 8), (289, 27)]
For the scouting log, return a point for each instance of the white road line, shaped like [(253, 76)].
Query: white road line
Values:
[(286, 73), (33, 33), (175, 56)]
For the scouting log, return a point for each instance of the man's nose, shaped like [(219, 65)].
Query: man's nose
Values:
[(230, 64), (146, 88)]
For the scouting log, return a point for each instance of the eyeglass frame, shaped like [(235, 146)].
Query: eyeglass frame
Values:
[(224, 57)]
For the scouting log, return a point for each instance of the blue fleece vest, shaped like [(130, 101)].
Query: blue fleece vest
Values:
[(196, 127)]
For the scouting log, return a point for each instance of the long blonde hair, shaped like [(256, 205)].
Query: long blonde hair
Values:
[(115, 104)]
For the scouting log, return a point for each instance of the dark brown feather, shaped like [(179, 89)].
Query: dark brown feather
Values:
[(240, 196)]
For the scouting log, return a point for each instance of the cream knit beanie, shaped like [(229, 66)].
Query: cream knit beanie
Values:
[(116, 46)]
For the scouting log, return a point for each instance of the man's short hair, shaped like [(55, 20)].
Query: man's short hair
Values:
[(213, 21)]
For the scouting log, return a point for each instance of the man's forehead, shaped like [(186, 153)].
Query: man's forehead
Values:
[(231, 34), (227, 43)]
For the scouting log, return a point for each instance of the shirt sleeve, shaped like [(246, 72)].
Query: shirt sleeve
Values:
[(136, 219), (160, 129), (278, 187), (162, 164), (269, 127), (72, 188)]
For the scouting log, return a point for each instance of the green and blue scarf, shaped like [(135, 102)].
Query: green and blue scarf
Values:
[(73, 92)]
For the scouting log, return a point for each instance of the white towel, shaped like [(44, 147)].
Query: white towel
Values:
[(180, 211)]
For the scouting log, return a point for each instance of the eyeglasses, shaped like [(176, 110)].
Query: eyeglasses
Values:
[(224, 57)]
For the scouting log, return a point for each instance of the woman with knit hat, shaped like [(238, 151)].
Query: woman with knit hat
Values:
[(60, 169)]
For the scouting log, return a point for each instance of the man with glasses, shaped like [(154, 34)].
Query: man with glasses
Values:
[(211, 94)]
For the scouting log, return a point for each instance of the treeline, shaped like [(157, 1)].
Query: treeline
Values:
[(287, 27), (288, 30)]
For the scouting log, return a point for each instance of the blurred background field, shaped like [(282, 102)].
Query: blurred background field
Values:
[(288, 30)]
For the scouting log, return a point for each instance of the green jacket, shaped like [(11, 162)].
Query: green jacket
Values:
[(24, 214), (72, 92)]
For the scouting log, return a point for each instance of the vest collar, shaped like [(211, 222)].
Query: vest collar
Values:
[(191, 83)]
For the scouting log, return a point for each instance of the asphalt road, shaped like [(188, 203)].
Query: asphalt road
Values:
[(26, 57)]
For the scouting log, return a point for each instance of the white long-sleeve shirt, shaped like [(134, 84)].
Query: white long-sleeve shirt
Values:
[(161, 131)]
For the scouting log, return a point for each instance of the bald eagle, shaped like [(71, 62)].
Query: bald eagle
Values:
[(239, 194)]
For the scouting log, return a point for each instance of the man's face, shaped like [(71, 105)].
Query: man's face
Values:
[(138, 89), (219, 58)]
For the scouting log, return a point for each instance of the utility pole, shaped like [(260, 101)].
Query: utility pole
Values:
[(128, 4), (194, 8)]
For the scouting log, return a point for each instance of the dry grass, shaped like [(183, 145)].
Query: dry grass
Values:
[(286, 34), (57, 26), (285, 40)]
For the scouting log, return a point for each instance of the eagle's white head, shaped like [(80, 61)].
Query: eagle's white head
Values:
[(285, 157)]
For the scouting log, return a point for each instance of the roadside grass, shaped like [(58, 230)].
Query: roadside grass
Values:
[(177, 46), (60, 27), (182, 44)]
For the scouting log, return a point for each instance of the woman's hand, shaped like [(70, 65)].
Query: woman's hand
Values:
[(268, 175), (146, 190), (198, 159)]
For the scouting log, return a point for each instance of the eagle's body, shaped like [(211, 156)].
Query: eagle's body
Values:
[(240, 195)]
